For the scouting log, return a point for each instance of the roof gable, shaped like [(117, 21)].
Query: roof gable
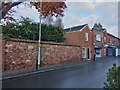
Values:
[(76, 28), (113, 36)]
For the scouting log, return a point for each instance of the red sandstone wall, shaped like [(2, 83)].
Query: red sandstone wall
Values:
[(22, 54), (58, 54)]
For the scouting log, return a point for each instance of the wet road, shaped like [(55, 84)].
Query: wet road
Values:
[(84, 76)]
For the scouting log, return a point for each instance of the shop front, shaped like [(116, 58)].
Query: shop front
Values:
[(98, 51), (112, 50)]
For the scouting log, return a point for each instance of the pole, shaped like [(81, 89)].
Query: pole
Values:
[(39, 47)]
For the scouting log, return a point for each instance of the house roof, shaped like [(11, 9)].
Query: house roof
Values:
[(75, 28), (113, 36), (101, 30)]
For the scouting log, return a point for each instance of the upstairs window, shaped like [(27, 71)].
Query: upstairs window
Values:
[(110, 40), (86, 36), (98, 37)]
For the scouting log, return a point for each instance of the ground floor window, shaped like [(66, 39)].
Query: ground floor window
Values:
[(98, 52), (83, 52)]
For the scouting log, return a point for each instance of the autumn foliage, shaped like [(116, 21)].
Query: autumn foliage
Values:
[(48, 8), (51, 8)]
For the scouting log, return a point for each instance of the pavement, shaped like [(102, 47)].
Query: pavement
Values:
[(21, 73)]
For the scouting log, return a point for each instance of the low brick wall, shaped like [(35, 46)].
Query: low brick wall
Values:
[(22, 54)]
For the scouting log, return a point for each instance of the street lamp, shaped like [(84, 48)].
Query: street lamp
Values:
[(39, 47)]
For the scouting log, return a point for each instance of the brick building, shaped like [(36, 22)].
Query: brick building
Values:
[(104, 44), (95, 42), (99, 37), (113, 45), (80, 35)]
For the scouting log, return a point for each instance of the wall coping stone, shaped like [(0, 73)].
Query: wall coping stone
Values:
[(42, 42)]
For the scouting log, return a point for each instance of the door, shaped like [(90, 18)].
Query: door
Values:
[(89, 54), (98, 53), (110, 52)]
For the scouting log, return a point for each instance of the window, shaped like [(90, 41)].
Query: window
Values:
[(110, 40), (115, 41), (104, 39), (86, 36), (83, 52), (98, 37)]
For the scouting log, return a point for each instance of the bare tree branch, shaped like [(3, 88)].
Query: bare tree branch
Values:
[(5, 7)]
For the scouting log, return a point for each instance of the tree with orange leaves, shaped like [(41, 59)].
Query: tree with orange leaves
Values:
[(49, 7)]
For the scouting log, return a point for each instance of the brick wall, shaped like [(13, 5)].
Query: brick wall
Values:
[(95, 32), (112, 40), (22, 54)]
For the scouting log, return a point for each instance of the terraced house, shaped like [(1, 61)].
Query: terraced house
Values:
[(80, 35), (95, 42), (113, 45)]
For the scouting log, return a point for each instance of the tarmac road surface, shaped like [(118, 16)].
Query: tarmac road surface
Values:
[(91, 75)]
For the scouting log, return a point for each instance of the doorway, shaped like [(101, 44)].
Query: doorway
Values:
[(89, 54)]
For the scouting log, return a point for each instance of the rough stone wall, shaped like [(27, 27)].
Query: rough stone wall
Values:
[(57, 54), (20, 55)]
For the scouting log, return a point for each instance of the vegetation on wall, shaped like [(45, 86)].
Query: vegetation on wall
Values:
[(26, 29)]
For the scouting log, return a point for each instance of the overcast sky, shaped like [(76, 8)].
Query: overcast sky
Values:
[(81, 12)]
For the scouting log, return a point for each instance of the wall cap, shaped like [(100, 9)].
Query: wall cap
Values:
[(42, 42)]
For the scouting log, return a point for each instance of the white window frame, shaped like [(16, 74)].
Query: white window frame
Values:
[(98, 37), (105, 39), (86, 36), (84, 52), (110, 40)]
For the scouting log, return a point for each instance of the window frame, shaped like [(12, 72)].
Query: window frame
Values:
[(84, 52), (105, 39), (86, 36), (98, 37)]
